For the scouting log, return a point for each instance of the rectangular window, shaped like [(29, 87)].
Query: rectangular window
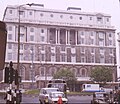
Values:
[(102, 51), (10, 11), (101, 42), (21, 46), (102, 59), (99, 19), (9, 36), (42, 39), (93, 59), (31, 29), (73, 50), (30, 13), (9, 46), (82, 49), (21, 37), (10, 28), (111, 51), (63, 58), (42, 57), (83, 59), (92, 50), (9, 56), (110, 42), (52, 49), (82, 41), (73, 59), (31, 38), (53, 58), (101, 35), (21, 56)]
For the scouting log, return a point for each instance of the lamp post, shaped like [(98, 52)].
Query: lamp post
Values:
[(18, 55), (32, 77)]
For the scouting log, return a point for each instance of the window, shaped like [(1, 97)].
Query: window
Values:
[(53, 58), (92, 58), (107, 19), (31, 29), (71, 17), (9, 46), (9, 56), (73, 50), (42, 30), (21, 13), (10, 11), (21, 56), (102, 59), (10, 28), (61, 16), (111, 51), (90, 18), (41, 14), (21, 46), (101, 42), (9, 36), (92, 50), (80, 18), (110, 35), (110, 42), (31, 38), (73, 58), (51, 15), (30, 13), (42, 57), (101, 35), (83, 59), (42, 39), (102, 51), (63, 58), (21, 37), (82, 50), (92, 41), (42, 73), (99, 19), (82, 41), (52, 49)]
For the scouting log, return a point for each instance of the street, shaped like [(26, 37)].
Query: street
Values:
[(71, 99)]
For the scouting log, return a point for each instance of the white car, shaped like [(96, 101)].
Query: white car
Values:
[(54, 96), (44, 94)]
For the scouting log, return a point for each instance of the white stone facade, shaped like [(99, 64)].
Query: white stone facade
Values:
[(73, 39)]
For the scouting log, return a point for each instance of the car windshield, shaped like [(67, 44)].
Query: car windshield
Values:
[(51, 90), (56, 95)]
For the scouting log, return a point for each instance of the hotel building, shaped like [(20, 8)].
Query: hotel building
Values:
[(51, 40)]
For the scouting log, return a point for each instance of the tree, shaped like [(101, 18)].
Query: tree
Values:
[(64, 74), (101, 74), (68, 76)]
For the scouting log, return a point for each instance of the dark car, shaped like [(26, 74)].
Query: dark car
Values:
[(100, 98)]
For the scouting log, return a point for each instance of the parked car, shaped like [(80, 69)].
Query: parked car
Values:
[(100, 98), (44, 94), (54, 96)]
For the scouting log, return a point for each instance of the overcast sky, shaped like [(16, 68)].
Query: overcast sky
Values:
[(111, 7)]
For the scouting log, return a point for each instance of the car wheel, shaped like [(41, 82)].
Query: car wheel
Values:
[(40, 102), (92, 102)]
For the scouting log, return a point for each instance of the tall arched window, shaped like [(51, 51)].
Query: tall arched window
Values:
[(22, 71), (83, 73)]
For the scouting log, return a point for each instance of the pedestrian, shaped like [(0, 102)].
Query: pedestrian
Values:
[(118, 97), (60, 100)]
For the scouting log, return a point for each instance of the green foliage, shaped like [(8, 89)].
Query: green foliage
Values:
[(101, 74), (64, 74)]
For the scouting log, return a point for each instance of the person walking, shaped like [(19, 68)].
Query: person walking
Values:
[(60, 100)]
